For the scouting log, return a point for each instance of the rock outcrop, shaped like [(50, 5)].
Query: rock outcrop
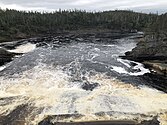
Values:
[(158, 66), (152, 52), (148, 50)]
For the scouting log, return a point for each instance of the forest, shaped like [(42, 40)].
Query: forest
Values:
[(22, 24)]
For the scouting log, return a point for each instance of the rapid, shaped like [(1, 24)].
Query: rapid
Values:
[(77, 82)]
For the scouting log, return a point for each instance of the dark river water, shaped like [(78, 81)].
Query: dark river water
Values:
[(87, 81)]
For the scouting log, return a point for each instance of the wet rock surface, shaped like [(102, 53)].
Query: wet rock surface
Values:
[(47, 121), (152, 52), (148, 50), (157, 81), (20, 113), (6, 56), (158, 66), (89, 86)]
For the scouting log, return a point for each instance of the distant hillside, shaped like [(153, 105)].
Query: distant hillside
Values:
[(20, 24)]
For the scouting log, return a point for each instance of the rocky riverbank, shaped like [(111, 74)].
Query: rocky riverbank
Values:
[(158, 66), (152, 53)]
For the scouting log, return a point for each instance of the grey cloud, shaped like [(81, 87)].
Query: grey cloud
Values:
[(50, 5), (34, 1)]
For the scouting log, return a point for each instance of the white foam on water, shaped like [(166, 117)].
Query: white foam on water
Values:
[(97, 49), (125, 62), (93, 53), (2, 68), (51, 92), (109, 45), (139, 67), (125, 45), (25, 48), (119, 70)]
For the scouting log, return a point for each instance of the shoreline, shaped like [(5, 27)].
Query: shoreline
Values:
[(63, 32), (152, 54)]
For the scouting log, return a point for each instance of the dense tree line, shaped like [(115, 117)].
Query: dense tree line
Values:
[(15, 23), (159, 27)]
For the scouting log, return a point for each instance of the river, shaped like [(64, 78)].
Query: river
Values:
[(81, 81)]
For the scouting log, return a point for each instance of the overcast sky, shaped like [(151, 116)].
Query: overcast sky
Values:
[(89, 5)]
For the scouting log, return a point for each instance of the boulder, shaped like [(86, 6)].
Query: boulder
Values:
[(89, 86)]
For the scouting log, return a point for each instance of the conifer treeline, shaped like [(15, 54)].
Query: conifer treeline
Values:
[(15, 23)]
